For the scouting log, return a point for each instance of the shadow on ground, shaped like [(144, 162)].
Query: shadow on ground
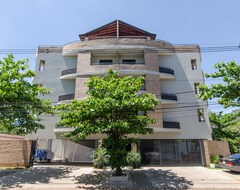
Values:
[(167, 179), (33, 176), (138, 179), (232, 172)]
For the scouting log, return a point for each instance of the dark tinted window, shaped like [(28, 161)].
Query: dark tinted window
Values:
[(105, 61), (129, 61)]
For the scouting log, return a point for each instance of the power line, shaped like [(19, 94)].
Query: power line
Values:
[(176, 49)]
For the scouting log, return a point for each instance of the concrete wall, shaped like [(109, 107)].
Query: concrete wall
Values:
[(15, 153), (185, 111), (55, 63)]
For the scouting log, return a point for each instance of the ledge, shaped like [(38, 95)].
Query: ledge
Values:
[(63, 130), (166, 130)]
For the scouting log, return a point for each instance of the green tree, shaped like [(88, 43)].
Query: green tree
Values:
[(225, 127), (227, 92), (111, 109), (20, 106)]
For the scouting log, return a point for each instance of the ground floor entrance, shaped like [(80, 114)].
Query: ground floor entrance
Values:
[(170, 152), (69, 151), (158, 152)]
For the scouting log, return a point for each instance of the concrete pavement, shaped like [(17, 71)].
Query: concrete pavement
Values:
[(83, 177)]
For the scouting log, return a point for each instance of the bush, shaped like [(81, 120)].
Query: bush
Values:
[(134, 159), (214, 159), (100, 158)]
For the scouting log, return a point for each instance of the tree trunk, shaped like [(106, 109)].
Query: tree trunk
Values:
[(118, 171)]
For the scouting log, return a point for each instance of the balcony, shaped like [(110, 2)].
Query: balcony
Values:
[(119, 63), (69, 73), (166, 73), (166, 70), (66, 97), (165, 96), (171, 125), (62, 129)]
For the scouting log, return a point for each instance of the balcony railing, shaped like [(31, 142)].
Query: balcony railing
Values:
[(132, 63), (124, 63), (69, 71), (168, 96), (171, 125), (66, 97), (166, 70)]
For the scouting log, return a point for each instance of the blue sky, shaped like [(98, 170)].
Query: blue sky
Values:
[(29, 23)]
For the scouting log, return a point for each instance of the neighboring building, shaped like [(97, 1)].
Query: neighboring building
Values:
[(172, 73)]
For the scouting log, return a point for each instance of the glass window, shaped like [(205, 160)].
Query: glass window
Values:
[(143, 87), (194, 64), (105, 62), (201, 115), (196, 89), (129, 61), (42, 65), (141, 113)]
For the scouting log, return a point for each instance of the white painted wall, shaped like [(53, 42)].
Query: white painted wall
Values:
[(185, 111)]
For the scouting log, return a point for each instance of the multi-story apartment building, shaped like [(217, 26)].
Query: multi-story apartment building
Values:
[(172, 73)]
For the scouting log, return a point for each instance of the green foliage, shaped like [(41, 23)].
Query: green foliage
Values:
[(226, 128), (214, 159), (100, 158), (110, 109), (20, 106), (227, 92), (134, 159)]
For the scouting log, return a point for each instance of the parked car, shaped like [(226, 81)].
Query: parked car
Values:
[(232, 162), (43, 155)]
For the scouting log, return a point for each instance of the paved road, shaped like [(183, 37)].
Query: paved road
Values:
[(83, 177)]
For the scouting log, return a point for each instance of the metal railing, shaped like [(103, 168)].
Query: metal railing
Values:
[(166, 70), (124, 63), (132, 63), (171, 125), (169, 96), (66, 97), (69, 71)]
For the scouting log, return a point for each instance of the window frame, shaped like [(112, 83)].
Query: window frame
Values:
[(194, 64), (129, 61), (42, 65), (105, 61), (201, 117), (196, 89)]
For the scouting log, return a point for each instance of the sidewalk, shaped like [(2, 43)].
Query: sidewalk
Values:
[(83, 177)]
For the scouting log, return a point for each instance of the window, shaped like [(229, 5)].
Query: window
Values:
[(105, 62), (42, 65), (129, 61), (143, 87), (196, 89), (141, 113), (194, 64), (201, 115)]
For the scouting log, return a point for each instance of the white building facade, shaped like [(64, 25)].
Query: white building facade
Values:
[(172, 73)]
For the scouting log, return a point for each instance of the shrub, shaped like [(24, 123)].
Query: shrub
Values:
[(100, 158), (134, 159), (214, 159)]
